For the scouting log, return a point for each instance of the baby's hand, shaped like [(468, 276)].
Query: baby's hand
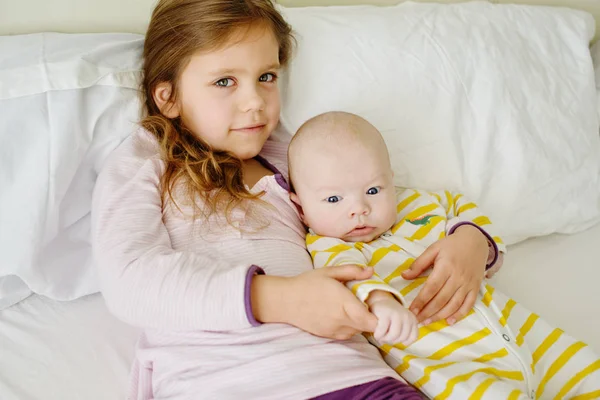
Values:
[(396, 324)]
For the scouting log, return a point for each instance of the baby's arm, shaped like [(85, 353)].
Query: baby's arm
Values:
[(461, 211), (395, 323), (328, 252)]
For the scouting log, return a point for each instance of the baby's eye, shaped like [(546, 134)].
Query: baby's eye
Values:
[(333, 199), (373, 190), (268, 77), (225, 82)]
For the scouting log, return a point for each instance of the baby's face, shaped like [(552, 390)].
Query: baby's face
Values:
[(349, 195)]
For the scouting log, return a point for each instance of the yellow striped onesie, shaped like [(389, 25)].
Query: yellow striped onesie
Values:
[(499, 351)]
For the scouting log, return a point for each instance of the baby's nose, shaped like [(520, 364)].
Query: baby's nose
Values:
[(360, 209)]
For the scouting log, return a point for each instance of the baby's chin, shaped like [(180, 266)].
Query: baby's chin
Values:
[(363, 238)]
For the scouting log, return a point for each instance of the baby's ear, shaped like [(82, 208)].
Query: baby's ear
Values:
[(296, 200)]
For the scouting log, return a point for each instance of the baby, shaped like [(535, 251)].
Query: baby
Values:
[(343, 186), (343, 181), (342, 177)]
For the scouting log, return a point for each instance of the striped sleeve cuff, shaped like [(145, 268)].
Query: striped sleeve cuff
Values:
[(253, 270), (493, 247)]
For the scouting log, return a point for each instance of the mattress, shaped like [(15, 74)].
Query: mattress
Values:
[(76, 350)]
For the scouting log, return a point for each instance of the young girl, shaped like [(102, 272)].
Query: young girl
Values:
[(197, 241), (188, 217)]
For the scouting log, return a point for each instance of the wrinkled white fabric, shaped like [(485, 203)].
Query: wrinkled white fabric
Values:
[(66, 101), (494, 101)]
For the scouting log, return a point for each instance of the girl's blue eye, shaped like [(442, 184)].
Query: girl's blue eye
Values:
[(333, 199), (373, 190), (268, 77), (225, 82)]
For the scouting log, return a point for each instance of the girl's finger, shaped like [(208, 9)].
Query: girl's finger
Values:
[(453, 305), (345, 333), (359, 317), (422, 262), (438, 301), (436, 281), (464, 309)]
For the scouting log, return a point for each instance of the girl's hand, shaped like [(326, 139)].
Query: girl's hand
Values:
[(451, 289), (316, 301), (395, 324)]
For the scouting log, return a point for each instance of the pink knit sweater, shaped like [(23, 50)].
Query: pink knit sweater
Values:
[(186, 283)]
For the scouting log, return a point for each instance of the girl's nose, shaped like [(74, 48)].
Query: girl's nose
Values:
[(252, 101)]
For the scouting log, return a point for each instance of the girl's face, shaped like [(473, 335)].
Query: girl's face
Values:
[(229, 97)]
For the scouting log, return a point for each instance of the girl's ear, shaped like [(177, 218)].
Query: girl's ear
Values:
[(296, 200), (162, 98)]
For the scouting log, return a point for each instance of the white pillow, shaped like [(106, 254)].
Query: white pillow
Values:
[(495, 101), (66, 101)]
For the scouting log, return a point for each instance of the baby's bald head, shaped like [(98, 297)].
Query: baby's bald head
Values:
[(334, 134)]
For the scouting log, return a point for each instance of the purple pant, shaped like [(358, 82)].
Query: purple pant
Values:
[(382, 389)]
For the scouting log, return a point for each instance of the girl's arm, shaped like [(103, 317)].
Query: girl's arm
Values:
[(145, 282)]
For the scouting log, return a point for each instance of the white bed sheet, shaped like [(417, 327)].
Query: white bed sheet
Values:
[(77, 351), (63, 351)]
